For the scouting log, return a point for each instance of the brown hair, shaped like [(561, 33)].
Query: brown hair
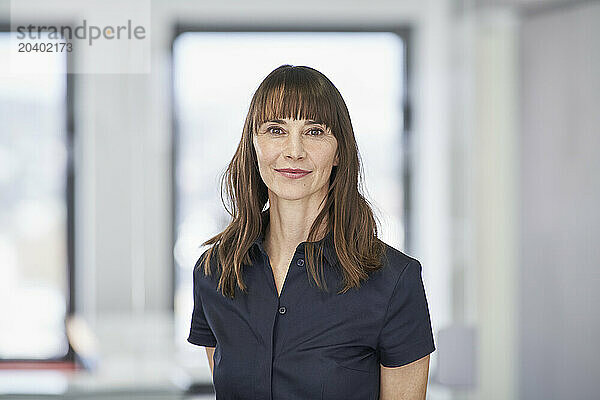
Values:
[(298, 92)]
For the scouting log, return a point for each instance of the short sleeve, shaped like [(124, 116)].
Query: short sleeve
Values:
[(200, 332), (406, 334)]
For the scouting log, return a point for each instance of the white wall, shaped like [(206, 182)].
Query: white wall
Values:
[(485, 176), (525, 127), (560, 198)]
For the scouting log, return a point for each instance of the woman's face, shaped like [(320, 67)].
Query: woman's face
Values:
[(298, 145)]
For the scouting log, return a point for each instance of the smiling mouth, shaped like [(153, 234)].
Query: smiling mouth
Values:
[(293, 173)]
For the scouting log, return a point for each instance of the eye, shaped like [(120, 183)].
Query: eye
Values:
[(277, 130), (318, 130)]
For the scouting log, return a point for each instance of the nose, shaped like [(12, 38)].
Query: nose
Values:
[(294, 147)]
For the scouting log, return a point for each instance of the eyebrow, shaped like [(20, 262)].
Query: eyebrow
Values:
[(309, 122)]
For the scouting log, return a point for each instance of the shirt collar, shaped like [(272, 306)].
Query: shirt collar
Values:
[(328, 247)]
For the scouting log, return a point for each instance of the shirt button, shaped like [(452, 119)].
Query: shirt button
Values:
[(300, 262), (282, 310)]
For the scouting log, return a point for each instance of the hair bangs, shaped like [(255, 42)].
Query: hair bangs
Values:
[(294, 94)]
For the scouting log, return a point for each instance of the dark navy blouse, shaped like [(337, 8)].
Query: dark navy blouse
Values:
[(307, 343)]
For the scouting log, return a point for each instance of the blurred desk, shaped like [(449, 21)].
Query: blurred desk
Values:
[(138, 357)]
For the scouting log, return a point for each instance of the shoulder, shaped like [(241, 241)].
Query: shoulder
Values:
[(396, 263)]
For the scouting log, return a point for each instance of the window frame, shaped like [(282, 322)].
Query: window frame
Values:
[(5, 27), (404, 31)]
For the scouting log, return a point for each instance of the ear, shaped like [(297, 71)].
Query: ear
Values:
[(335, 161)]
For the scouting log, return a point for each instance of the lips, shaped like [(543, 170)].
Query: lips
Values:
[(293, 173), (293, 170)]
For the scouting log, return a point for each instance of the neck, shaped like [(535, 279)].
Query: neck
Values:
[(290, 223)]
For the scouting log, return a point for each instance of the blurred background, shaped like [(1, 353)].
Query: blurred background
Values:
[(478, 128)]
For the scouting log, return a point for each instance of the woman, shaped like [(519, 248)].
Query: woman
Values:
[(263, 307)]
